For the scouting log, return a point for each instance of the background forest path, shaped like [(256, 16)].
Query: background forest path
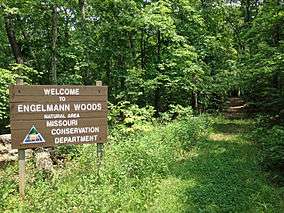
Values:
[(235, 108), (221, 174)]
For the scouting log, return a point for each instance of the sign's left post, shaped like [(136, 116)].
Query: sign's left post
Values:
[(22, 162)]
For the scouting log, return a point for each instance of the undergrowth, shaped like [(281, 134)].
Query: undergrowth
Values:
[(197, 164), (135, 161), (270, 138)]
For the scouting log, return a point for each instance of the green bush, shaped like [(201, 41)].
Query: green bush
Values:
[(152, 152), (272, 143), (131, 171), (129, 114), (191, 131), (126, 120), (176, 112), (7, 78)]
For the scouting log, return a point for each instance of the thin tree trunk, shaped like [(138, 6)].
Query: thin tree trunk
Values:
[(159, 46), (121, 66), (66, 27), (88, 74), (247, 10), (82, 4), (108, 72), (10, 30), (53, 47), (194, 100), (158, 89), (142, 47), (132, 47), (143, 101), (194, 95)]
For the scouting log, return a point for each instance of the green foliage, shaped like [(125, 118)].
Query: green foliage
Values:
[(167, 51), (163, 50), (127, 180), (262, 75), (191, 131), (24, 72), (176, 112), (7, 78), (272, 144), (165, 168), (73, 79), (128, 114)]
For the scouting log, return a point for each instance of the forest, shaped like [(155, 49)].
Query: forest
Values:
[(195, 103)]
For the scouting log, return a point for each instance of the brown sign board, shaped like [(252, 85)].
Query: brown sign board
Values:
[(49, 115)]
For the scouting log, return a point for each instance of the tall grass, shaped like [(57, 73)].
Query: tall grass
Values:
[(135, 161)]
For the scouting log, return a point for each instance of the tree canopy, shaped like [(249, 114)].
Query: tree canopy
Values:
[(150, 52)]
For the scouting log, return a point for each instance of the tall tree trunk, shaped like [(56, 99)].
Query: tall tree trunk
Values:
[(53, 47), (108, 73), (66, 27), (121, 66), (88, 74), (157, 100), (82, 4), (10, 30), (142, 101), (132, 47), (194, 100), (194, 95), (276, 38), (142, 49), (246, 5)]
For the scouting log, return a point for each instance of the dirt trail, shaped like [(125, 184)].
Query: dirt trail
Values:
[(236, 108)]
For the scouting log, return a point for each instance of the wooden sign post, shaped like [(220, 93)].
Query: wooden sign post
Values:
[(22, 162), (49, 115), (99, 145)]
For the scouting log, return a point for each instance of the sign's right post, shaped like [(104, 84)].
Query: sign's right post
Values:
[(100, 146)]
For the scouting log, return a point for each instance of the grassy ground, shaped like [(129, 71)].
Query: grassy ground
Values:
[(221, 174), (171, 168)]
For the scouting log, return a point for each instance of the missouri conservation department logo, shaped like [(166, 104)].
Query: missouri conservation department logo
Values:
[(33, 137)]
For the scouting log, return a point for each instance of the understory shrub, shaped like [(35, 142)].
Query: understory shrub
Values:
[(128, 179), (191, 130), (129, 114), (176, 112), (7, 78), (152, 151), (272, 144)]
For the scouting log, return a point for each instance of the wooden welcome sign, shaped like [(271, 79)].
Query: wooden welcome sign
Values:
[(45, 116), (49, 115)]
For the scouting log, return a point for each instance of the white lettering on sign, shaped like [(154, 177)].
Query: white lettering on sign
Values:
[(73, 115), (88, 107), (43, 108), (61, 91), (74, 139), (53, 123), (62, 98), (74, 131), (58, 107), (53, 116)]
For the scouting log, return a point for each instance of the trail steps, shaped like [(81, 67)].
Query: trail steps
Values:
[(235, 108)]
